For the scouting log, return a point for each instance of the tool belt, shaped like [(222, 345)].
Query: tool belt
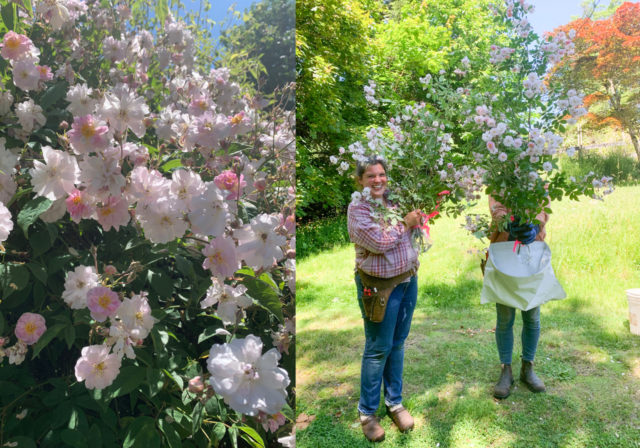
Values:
[(376, 292)]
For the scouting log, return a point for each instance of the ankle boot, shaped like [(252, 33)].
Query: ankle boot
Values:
[(502, 389), (372, 429), (529, 377)]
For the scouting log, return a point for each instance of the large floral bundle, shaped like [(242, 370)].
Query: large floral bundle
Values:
[(420, 156), (146, 237), (512, 130)]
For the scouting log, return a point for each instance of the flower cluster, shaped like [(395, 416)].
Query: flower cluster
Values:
[(127, 137)]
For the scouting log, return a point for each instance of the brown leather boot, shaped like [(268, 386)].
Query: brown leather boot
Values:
[(529, 377), (401, 418), (372, 429), (502, 389)]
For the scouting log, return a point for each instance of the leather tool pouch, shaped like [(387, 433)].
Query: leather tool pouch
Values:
[(376, 292)]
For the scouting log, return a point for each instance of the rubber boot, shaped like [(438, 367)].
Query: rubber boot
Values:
[(529, 377), (502, 389)]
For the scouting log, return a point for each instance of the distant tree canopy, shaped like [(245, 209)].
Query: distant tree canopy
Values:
[(267, 35), (606, 67), (342, 44)]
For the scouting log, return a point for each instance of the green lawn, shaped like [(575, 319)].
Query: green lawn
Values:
[(587, 357)]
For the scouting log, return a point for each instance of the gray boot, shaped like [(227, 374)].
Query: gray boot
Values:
[(529, 377), (502, 389)]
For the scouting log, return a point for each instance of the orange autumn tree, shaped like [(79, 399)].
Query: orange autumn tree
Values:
[(606, 67)]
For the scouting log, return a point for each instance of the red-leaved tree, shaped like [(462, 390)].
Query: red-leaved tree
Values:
[(606, 67)]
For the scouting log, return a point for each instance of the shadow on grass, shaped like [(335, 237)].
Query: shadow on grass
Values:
[(451, 365)]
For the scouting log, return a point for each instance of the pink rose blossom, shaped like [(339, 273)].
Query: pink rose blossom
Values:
[(221, 257), (114, 212), (196, 385), (228, 180), (88, 134), (45, 73), (30, 327), (15, 45), (97, 368), (102, 303), (79, 205)]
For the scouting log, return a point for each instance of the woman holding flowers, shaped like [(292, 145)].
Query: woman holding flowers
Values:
[(383, 251), (524, 233)]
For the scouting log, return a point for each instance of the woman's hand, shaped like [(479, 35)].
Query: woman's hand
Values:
[(412, 219)]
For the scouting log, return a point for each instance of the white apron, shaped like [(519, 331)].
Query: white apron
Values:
[(523, 279)]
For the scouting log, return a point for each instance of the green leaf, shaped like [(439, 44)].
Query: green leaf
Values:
[(233, 434), (218, 432), (70, 335), (161, 283), (142, 433), (40, 242), (155, 381), (196, 417), (53, 94), (47, 337), (13, 277), (176, 378), (208, 332), (171, 435), (162, 9), (128, 379), (184, 266), (28, 7), (31, 211), (252, 436), (170, 165), (9, 18), (74, 438), (264, 294), (38, 272)]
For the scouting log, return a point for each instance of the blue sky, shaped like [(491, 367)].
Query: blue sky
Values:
[(552, 13), (220, 10)]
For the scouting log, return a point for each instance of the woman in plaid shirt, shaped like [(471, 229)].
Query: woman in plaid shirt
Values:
[(383, 251)]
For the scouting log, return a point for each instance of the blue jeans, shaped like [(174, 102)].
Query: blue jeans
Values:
[(383, 357), (504, 332)]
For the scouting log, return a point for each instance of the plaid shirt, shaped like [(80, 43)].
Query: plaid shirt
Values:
[(381, 251)]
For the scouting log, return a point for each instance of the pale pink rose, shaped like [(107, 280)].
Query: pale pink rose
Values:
[(15, 45), (88, 134), (228, 180), (79, 205), (161, 222), (114, 212), (57, 176), (45, 73), (6, 224), (221, 257), (102, 176), (271, 422), (97, 368), (26, 75), (30, 327), (102, 303)]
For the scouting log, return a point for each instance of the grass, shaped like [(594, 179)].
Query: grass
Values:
[(587, 357)]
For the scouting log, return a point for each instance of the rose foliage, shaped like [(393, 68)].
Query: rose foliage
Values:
[(146, 237)]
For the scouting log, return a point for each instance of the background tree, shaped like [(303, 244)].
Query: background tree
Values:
[(605, 67), (266, 35), (342, 44)]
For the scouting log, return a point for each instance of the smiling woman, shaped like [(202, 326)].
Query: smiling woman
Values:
[(386, 284)]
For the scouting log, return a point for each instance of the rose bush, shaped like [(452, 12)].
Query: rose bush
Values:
[(146, 236)]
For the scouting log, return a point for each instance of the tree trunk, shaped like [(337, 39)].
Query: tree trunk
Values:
[(634, 139)]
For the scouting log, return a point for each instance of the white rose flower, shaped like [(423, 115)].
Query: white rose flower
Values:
[(547, 166), (248, 381), (229, 300), (77, 285), (57, 176), (260, 243)]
